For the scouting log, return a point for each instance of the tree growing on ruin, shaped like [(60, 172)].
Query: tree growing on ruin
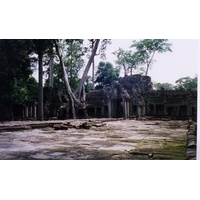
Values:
[(127, 60), (16, 58), (147, 48), (77, 99)]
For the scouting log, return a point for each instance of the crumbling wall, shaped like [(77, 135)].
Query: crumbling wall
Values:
[(136, 84), (133, 96), (176, 104)]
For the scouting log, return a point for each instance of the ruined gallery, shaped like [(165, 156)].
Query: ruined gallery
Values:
[(133, 96)]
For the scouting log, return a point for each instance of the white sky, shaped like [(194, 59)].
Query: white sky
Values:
[(169, 66)]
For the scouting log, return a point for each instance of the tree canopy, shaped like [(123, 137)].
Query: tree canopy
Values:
[(73, 51), (63, 61), (165, 86), (182, 84), (127, 60), (142, 53), (147, 48), (106, 74), (15, 65), (187, 84)]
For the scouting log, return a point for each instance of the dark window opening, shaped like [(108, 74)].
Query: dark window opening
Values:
[(159, 110)]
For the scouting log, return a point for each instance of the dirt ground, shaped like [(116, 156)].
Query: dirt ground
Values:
[(105, 139)]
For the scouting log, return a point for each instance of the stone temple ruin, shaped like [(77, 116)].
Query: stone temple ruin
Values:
[(133, 97)]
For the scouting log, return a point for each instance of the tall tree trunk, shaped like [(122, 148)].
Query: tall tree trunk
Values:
[(93, 74), (79, 90), (40, 93), (51, 72), (149, 63), (147, 69), (125, 71), (66, 81), (75, 98)]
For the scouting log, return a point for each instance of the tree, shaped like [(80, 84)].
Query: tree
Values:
[(77, 98), (128, 60), (147, 48), (165, 86), (15, 65), (187, 84), (100, 53), (79, 90), (73, 61), (71, 96), (72, 51), (41, 47), (122, 59), (16, 57), (88, 84), (106, 74), (25, 90)]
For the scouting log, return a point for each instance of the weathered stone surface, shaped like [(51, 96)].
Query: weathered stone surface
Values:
[(60, 127), (114, 140), (15, 128), (133, 97), (191, 140), (85, 125)]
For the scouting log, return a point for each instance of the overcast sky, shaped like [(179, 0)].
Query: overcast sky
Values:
[(169, 66)]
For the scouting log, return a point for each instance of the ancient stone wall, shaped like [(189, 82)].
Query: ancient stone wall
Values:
[(171, 103), (133, 96)]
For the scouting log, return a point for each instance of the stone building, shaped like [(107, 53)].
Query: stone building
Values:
[(133, 96), (177, 104)]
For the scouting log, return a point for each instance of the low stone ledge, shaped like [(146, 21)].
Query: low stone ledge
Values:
[(15, 128), (191, 141)]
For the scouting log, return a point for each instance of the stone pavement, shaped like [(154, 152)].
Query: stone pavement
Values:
[(102, 139)]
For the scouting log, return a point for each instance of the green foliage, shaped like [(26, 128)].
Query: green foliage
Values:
[(58, 82), (165, 86), (15, 68), (72, 51), (26, 90), (43, 45), (88, 84), (147, 48), (128, 60), (73, 61), (106, 74), (15, 65), (144, 51), (187, 84), (102, 48), (182, 84)]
